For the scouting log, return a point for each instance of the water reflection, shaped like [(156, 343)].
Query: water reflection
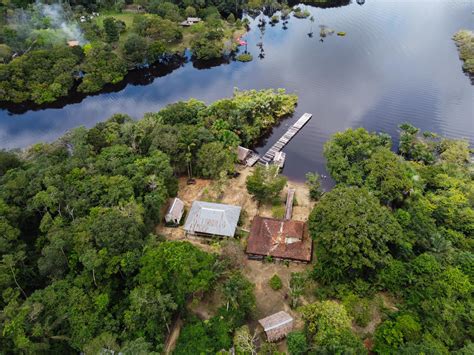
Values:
[(383, 72)]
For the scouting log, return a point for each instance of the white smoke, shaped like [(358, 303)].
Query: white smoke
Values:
[(59, 19)]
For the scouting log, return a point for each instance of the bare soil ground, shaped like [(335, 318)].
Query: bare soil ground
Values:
[(234, 191)]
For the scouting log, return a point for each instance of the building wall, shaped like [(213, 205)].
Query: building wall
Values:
[(280, 332)]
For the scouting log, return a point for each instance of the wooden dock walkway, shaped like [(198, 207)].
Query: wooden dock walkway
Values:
[(290, 133), (289, 203)]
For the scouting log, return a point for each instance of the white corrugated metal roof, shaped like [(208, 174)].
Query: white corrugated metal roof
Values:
[(176, 210), (212, 218), (275, 320)]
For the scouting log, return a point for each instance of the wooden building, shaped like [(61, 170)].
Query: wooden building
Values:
[(242, 154), (190, 21), (277, 326), (280, 239)]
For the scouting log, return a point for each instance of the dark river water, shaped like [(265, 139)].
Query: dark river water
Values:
[(396, 63)]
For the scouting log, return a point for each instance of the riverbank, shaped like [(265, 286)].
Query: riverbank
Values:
[(105, 49)]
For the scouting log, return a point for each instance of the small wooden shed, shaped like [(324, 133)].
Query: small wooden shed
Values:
[(242, 154), (277, 326), (175, 212)]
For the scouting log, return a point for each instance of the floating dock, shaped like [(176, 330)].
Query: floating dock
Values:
[(290, 133)]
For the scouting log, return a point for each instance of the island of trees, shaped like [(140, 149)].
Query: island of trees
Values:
[(465, 41)]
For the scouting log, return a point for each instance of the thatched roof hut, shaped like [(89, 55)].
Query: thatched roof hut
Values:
[(277, 326)]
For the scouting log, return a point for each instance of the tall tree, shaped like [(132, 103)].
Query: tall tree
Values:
[(353, 233), (265, 184)]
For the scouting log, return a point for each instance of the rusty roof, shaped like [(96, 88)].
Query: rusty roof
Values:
[(280, 238), (212, 218)]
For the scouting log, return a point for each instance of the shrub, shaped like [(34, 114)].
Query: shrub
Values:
[(359, 309), (297, 344), (278, 211), (244, 57), (275, 283), (313, 181), (301, 14)]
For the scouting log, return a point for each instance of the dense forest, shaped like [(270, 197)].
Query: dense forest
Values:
[(39, 63), (400, 224), (81, 268)]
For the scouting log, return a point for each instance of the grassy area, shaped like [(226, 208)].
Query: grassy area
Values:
[(231, 33), (125, 17)]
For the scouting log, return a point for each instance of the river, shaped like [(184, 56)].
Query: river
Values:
[(396, 63)]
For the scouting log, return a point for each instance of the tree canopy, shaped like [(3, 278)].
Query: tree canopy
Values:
[(400, 223), (80, 264)]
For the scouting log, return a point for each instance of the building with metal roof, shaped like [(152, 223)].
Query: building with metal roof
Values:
[(175, 212), (280, 239), (212, 219), (277, 326)]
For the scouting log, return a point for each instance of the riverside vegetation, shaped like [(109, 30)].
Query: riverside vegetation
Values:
[(38, 66), (82, 270), (80, 267), (465, 41)]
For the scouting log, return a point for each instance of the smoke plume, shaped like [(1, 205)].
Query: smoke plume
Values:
[(59, 20)]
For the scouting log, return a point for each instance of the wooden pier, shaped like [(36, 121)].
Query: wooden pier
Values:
[(289, 203), (290, 133)]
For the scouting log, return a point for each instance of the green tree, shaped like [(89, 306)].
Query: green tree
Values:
[(353, 233), (111, 29), (239, 298), (330, 327), (388, 176), (265, 184), (313, 181), (135, 49), (185, 270), (275, 282), (296, 286), (346, 154), (8, 160), (414, 147), (391, 335), (190, 11), (214, 159), (101, 66), (205, 49), (297, 344)]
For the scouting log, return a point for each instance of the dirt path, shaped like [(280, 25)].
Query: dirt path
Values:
[(234, 192), (173, 337)]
